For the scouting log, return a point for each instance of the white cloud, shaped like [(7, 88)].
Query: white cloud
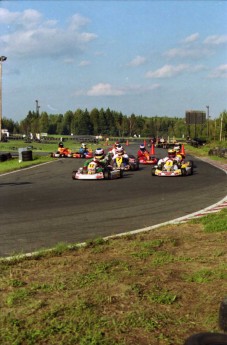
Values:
[(137, 61), (194, 53), (216, 40), (84, 63), (77, 21), (167, 71), (191, 38), (104, 89), (219, 72), (31, 35)]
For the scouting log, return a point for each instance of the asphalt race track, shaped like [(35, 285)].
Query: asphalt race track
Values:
[(43, 206)]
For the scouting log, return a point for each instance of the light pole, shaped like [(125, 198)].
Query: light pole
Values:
[(37, 107), (208, 124), (2, 58)]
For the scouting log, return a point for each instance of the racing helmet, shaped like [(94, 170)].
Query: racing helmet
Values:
[(99, 154), (84, 146), (61, 144), (116, 144), (171, 153), (177, 148), (120, 150), (142, 147)]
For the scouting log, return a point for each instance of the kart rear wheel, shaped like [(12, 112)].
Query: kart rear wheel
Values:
[(132, 167)]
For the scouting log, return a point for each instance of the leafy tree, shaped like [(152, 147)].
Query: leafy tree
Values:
[(94, 118), (44, 123), (67, 122)]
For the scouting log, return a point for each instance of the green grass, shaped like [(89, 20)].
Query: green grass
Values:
[(213, 222), (14, 164), (14, 145)]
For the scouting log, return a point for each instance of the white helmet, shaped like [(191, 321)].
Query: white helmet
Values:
[(99, 154), (120, 150)]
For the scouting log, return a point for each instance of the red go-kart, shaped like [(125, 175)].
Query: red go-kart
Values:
[(147, 159)]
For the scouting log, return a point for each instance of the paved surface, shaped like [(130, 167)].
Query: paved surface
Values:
[(42, 206)]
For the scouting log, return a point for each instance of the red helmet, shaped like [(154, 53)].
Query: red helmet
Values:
[(116, 144)]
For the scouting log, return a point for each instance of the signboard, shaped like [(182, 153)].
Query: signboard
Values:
[(195, 117)]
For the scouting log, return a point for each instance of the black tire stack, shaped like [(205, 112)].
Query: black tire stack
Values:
[(27, 156), (5, 156)]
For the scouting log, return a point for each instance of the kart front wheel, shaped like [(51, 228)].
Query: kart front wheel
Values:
[(107, 175), (74, 175), (153, 171), (183, 172)]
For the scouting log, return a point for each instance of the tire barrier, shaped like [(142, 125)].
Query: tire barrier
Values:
[(26, 156), (223, 315), (207, 339), (5, 156)]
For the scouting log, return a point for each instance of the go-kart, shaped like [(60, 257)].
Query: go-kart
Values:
[(94, 172), (62, 153), (171, 168), (148, 160), (126, 164), (133, 162), (87, 154)]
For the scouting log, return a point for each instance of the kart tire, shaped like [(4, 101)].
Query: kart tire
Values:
[(207, 339), (74, 175), (3, 158), (190, 164), (107, 175), (183, 172), (132, 167), (153, 171)]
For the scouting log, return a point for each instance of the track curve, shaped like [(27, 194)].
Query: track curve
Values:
[(42, 206)]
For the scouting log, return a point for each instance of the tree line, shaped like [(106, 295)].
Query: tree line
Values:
[(111, 123)]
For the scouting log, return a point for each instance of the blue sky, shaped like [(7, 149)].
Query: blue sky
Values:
[(150, 58)]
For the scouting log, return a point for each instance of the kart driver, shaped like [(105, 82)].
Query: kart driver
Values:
[(113, 150), (99, 158), (83, 150), (142, 152), (120, 152), (172, 155), (63, 150)]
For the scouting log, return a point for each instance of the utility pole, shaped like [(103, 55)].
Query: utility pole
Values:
[(221, 127), (2, 58), (208, 121)]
